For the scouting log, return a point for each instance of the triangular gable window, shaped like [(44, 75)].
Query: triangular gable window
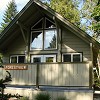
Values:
[(49, 24), (38, 25)]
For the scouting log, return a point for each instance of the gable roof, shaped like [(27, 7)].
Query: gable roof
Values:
[(30, 12)]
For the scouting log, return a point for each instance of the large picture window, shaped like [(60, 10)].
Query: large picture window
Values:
[(44, 36), (72, 57)]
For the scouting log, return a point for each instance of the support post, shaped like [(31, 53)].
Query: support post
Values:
[(59, 38), (37, 77), (91, 68)]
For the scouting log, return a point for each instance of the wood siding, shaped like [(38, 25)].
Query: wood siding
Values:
[(17, 47), (72, 43), (62, 74)]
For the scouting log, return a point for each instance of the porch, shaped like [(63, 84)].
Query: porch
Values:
[(49, 74), (70, 80)]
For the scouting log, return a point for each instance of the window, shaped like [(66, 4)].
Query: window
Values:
[(43, 36), (43, 58), (72, 57), (50, 39), (67, 58), (36, 40), (17, 59)]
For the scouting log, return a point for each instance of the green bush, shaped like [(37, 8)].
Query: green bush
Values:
[(24, 98), (61, 98), (42, 96)]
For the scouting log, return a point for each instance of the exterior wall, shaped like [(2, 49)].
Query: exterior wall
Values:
[(16, 47), (68, 94), (72, 43), (51, 74)]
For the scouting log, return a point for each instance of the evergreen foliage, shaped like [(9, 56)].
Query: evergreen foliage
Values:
[(42, 96), (68, 9), (96, 22), (9, 14)]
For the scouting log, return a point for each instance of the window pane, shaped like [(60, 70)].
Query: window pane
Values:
[(49, 59), (76, 58), (50, 39), (67, 58), (21, 59), (49, 24), (37, 59), (36, 40), (38, 25), (13, 59)]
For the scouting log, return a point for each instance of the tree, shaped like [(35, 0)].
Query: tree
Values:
[(87, 7), (91, 15), (9, 14), (96, 22), (68, 9)]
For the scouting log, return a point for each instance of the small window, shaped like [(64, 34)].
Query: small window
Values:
[(36, 59), (67, 58), (21, 59), (43, 58), (17, 59), (13, 60), (76, 58), (49, 59), (72, 57)]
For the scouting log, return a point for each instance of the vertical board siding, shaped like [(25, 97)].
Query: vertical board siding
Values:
[(53, 74), (24, 77), (72, 43), (64, 74)]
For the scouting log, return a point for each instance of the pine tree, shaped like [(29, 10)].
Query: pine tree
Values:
[(9, 14), (96, 22)]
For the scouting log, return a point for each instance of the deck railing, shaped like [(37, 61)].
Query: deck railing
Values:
[(52, 74)]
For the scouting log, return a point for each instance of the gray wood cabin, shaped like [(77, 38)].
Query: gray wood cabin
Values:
[(45, 52)]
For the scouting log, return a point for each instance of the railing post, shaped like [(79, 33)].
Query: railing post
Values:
[(37, 76)]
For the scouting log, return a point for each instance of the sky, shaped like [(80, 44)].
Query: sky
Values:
[(3, 5)]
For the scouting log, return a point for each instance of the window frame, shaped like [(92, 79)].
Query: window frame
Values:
[(17, 58), (31, 40), (81, 56), (43, 30), (43, 58)]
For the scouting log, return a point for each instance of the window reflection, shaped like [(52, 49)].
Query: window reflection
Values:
[(36, 59), (50, 39), (13, 59), (36, 40), (49, 59), (76, 58)]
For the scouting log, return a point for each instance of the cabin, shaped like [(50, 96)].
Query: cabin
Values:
[(46, 53)]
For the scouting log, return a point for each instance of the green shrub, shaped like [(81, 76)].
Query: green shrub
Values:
[(24, 98), (61, 98), (42, 96)]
